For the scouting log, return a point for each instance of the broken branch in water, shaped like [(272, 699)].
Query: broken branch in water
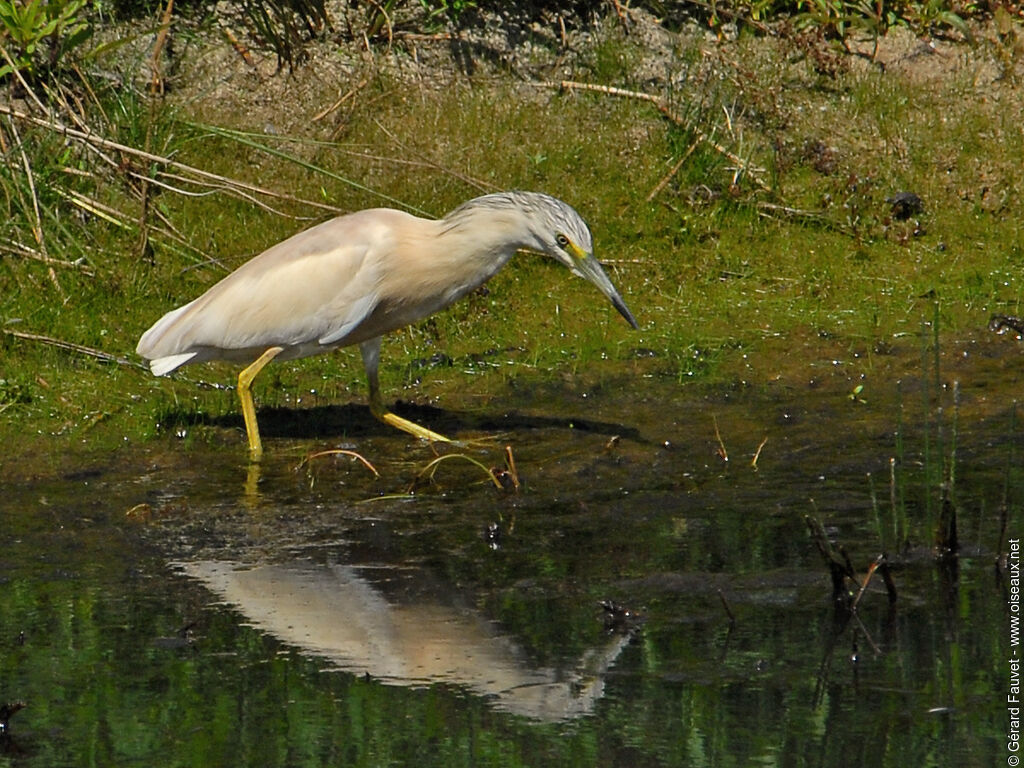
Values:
[(508, 478), (839, 569), (880, 565)]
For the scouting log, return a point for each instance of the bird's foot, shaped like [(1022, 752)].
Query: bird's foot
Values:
[(410, 426)]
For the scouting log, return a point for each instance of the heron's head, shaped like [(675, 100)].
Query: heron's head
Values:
[(555, 228)]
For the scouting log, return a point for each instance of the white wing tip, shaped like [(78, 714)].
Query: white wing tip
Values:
[(161, 366)]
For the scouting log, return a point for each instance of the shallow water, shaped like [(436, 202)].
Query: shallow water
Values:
[(168, 605)]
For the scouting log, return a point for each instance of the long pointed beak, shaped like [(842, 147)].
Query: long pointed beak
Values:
[(590, 268)]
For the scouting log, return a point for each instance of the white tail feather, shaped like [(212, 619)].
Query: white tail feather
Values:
[(164, 365)]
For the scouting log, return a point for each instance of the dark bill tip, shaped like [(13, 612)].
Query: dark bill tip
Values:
[(624, 311)]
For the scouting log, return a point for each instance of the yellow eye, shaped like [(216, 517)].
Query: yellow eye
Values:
[(562, 240)]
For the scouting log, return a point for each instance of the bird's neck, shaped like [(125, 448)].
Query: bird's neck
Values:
[(487, 237)]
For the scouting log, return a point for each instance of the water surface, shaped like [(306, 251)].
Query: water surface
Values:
[(167, 605)]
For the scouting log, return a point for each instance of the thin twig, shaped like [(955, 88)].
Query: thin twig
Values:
[(671, 174), (242, 138), (867, 579), (351, 92), (71, 346), (766, 209), (621, 14), (659, 103), (424, 37), (721, 444), (37, 228), (92, 94), (99, 141), (214, 189), (757, 453), (96, 208), (156, 85), (240, 49), (867, 635), (118, 219), (507, 478), (20, 249), (483, 186), (21, 80), (728, 610), (56, 95)]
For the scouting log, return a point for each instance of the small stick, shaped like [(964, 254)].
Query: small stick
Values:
[(352, 92), (890, 585), (71, 346), (757, 453), (867, 579), (240, 49), (156, 84), (56, 94), (621, 14), (728, 610), (846, 559), (867, 635), (721, 445), (659, 104), (510, 463), (17, 73), (18, 249), (892, 499), (671, 174), (37, 229), (422, 37), (838, 570)]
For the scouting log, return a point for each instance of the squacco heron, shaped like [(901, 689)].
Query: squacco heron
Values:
[(352, 279)]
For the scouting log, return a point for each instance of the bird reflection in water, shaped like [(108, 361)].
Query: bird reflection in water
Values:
[(335, 613)]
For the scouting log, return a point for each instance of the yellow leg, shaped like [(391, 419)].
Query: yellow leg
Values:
[(371, 360), (245, 395)]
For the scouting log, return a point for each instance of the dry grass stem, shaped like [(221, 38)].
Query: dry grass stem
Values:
[(239, 47), (233, 185), (867, 580), (427, 473), (742, 165), (71, 346), (757, 453), (722, 452), (20, 249), (340, 452), (671, 174), (352, 92), (156, 84), (483, 186)]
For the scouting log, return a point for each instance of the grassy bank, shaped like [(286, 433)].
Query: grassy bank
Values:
[(745, 216)]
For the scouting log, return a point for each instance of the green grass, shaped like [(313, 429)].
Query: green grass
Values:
[(717, 277)]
